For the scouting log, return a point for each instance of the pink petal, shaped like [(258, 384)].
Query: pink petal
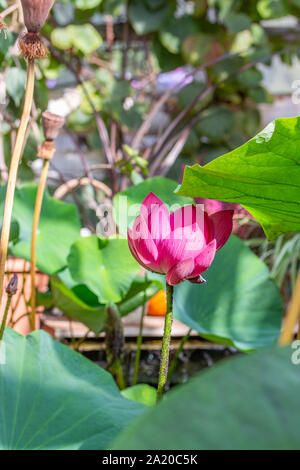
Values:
[(170, 252), (159, 223), (204, 259), (145, 247), (222, 222), (180, 272), (187, 223), (149, 203), (131, 245), (209, 229), (133, 250), (157, 216), (191, 218), (186, 216), (144, 263)]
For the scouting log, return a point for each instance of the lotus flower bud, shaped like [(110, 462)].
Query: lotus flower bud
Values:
[(35, 13), (52, 123), (12, 286), (181, 245)]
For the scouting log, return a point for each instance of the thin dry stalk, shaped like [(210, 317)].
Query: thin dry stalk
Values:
[(12, 176), (35, 223), (292, 316)]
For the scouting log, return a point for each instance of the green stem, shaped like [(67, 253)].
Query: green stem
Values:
[(139, 341), (120, 376), (5, 316), (163, 372), (177, 354)]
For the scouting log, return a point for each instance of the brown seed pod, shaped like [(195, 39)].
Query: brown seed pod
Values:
[(46, 150), (12, 286), (35, 13), (52, 123), (32, 47)]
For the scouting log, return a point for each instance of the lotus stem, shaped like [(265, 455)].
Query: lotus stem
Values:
[(36, 218), (163, 372), (292, 316), (12, 176), (120, 376)]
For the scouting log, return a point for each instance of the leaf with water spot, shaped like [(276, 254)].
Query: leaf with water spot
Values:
[(263, 175)]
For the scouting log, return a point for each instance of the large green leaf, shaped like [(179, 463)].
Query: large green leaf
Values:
[(248, 402), (127, 203), (72, 305), (240, 304), (106, 267), (54, 398), (58, 228), (263, 175), (78, 302)]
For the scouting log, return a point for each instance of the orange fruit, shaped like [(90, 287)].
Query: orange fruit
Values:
[(157, 305)]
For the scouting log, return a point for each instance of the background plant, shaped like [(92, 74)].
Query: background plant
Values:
[(114, 54), (115, 51)]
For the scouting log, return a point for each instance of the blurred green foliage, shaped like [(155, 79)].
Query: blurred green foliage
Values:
[(122, 70)]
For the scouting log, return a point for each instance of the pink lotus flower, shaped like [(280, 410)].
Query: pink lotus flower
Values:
[(181, 245)]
